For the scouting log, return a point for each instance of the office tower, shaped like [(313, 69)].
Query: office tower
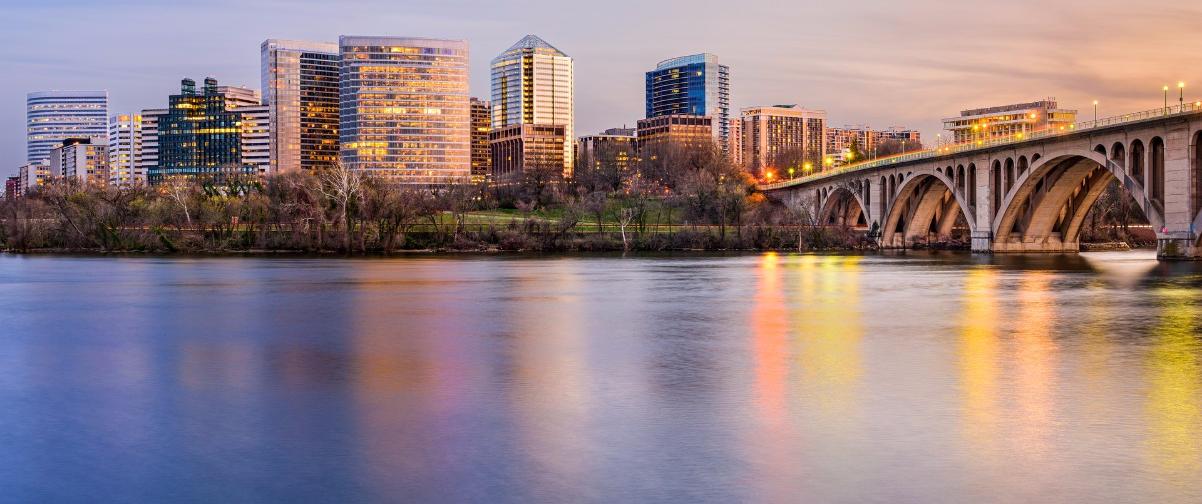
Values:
[(54, 116), (481, 125), (675, 132), (616, 145), (404, 108), (783, 137), (80, 159), (532, 83), (522, 149), (692, 85), (202, 132), (1004, 121), (125, 151), (300, 86), (148, 155)]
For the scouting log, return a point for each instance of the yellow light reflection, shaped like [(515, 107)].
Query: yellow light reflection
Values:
[(979, 354), (769, 327), (1174, 404), (1035, 364), (830, 330)]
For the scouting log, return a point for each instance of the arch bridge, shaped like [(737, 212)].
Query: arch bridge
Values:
[(1026, 193)]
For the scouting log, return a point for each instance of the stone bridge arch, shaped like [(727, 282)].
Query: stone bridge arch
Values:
[(844, 205), (927, 201), (1046, 206)]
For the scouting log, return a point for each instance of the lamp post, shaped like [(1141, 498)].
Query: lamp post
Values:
[(1181, 95), (1166, 100), (1095, 113)]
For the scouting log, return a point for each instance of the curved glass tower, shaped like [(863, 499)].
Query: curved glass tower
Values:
[(692, 85), (54, 116)]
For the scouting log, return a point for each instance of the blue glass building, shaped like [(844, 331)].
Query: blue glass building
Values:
[(692, 85)]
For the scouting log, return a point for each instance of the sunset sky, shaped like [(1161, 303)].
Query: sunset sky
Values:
[(880, 63)]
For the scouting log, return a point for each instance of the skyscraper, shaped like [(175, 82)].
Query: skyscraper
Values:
[(125, 150), (481, 125), (300, 88), (692, 85), (404, 108), (54, 116), (532, 83), (203, 133), (783, 137), (148, 155)]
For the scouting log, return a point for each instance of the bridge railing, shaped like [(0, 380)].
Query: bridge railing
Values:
[(1133, 117)]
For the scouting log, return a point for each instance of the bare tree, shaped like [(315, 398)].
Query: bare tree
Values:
[(343, 187)]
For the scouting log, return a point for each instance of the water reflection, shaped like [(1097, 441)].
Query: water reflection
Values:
[(1174, 397), (829, 331), (979, 355), (1035, 362)]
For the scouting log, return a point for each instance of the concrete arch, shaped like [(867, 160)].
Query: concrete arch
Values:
[(924, 201), (843, 206), (1139, 160), (1045, 211)]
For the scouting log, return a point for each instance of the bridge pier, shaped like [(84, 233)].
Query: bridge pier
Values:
[(1179, 246), (982, 241)]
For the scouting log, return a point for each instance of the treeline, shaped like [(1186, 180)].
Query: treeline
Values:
[(668, 200)]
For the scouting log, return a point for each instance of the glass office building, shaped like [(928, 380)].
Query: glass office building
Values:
[(692, 85), (404, 108), (201, 133), (54, 116), (532, 83), (300, 88)]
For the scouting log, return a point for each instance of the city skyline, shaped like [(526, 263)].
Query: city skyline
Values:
[(1076, 53)]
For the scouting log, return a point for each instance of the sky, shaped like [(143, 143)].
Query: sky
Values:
[(880, 63)]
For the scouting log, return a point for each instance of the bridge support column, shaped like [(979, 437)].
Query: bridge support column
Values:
[(982, 241), (1177, 246), (1177, 240)]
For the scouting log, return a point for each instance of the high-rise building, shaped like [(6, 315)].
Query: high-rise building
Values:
[(202, 133), (82, 160), (12, 187), (33, 175), (783, 137), (615, 145), (692, 85), (404, 108), (300, 86), (532, 83), (676, 132), (734, 144), (983, 124), (125, 151), (54, 116), (256, 137), (526, 148), (481, 125), (148, 152)]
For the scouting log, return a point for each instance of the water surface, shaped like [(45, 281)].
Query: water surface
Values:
[(755, 378)]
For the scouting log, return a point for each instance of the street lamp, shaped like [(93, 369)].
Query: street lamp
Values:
[(1166, 99), (1095, 113), (1181, 95)]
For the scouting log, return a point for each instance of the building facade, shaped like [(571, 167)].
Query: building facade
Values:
[(734, 144), (616, 145), (404, 112), (148, 152), (33, 175), (783, 137), (54, 116), (201, 135), (481, 126), (1005, 121), (675, 132), (300, 88), (12, 187), (125, 151), (869, 140), (691, 85), (521, 149), (80, 159), (533, 83)]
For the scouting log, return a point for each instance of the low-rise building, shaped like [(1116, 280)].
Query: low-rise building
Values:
[(616, 145), (1004, 121), (524, 148), (82, 160), (685, 132)]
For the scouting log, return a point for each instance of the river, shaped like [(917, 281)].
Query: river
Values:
[(676, 378)]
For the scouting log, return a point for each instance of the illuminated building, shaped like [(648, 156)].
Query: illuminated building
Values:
[(125, 151), (525, 148), (532, 83), (33, 175), (54, 116), (300, 87), (481, 125), (840, 140), (404, 111), (692, 85), (684, 132), (82, 160), (203, 134), (783, 136), (616, 145), (1005, 121), (148, 151), (734, 144)]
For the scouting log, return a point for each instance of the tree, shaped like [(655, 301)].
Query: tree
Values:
[(343, 187)]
